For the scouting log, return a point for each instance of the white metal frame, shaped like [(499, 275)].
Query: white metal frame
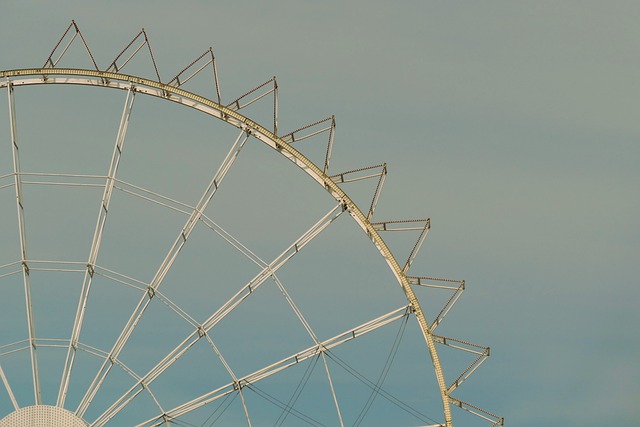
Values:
[(284, 145)]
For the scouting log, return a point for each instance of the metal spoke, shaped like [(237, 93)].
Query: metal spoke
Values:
[(333, 391), (7, 387), (244, 406), (306, 325), (95, 246), (161, 273), (23, 245), (273, 267), (233, 241), (277, 367), (31, 346), (220, 314), (232, 374)]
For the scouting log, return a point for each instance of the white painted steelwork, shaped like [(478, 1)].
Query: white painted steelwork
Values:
[(113, 78), (23, 244)]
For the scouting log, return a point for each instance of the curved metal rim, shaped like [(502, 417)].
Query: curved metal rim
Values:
[(36, 76)]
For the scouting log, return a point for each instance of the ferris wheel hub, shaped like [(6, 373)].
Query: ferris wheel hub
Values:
[(42, 416)]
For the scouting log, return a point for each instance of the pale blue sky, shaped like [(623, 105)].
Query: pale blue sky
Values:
[(512, 125)]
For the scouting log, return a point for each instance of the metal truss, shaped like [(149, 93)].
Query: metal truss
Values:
[(365, 173), (279, 366), (197, 215), (26, 274)]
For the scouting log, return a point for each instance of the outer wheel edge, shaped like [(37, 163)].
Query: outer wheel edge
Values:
[(181, 96)]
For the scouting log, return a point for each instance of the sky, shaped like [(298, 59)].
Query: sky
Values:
[(511, 125)]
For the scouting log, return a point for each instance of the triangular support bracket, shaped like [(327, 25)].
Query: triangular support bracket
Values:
[(365, 173), (479, 412), (482, 353), (269, 87), (115, 67), (407, 225), (313, 129), (456, 286), (202, 62), (70, 36)]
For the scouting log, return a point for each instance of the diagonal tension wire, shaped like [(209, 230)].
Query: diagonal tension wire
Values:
[(383, 374), (222, 408), (388, 396), (282, 405), (222, 405), (180, 423), (297, 392)]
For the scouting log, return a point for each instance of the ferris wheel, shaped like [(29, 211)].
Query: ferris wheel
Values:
[(163, 265)]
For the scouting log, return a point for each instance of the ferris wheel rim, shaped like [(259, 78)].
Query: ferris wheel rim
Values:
[(116, 80)]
